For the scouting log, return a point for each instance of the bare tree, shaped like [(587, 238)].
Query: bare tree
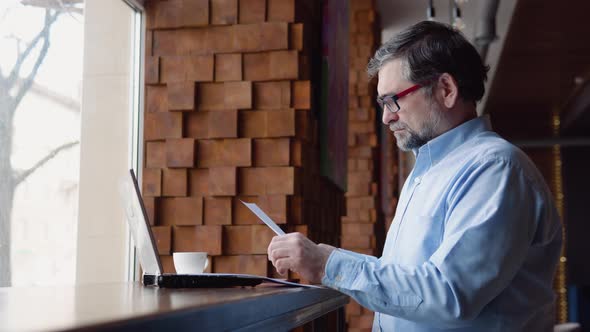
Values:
[(12, 90)]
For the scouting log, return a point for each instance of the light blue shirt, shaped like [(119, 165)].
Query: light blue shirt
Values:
[(473, 246)]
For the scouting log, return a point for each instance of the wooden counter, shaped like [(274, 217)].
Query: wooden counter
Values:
[(131, 306)]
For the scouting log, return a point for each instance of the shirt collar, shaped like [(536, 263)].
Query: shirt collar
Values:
[(437, 148)]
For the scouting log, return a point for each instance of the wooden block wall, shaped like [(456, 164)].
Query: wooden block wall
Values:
[(228, 117), (363, 197)]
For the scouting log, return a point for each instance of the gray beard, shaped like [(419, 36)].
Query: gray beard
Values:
[(415, 140)]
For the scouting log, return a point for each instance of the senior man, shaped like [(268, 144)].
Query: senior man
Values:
[(476, 238)]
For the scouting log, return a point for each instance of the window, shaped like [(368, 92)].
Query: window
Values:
[(109, 138), (69, 119), (40, 81)]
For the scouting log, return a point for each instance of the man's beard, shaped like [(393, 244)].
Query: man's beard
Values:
[(409, 139)]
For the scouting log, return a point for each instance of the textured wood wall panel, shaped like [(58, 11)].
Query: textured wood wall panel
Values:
[(156, 98), (174, 182), (223, 124), (163, 238), (180, 152), (181, 211), (272, 95), (162, 125), (362, 219), (225, 152), (228, 67), (197, 238), (155, 154), (222, 181), (229, 118), (252, 11), (152, 182), (224, 12), (271, 66), (218, 211)]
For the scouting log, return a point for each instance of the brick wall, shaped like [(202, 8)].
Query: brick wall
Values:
[(229, 116), (363, 215)]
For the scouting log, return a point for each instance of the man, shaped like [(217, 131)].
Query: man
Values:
[(476, 238)]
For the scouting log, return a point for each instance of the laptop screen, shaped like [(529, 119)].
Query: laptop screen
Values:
[(139, 227)]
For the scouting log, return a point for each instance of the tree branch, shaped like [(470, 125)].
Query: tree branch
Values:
[(23, 175), (28, 81), (5, 13), (69, 6), (69, 103), (17, 41), (51, 3), (43, 34)]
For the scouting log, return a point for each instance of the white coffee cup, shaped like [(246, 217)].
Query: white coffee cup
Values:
[(190, 262)]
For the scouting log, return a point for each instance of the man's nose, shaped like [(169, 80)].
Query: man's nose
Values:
[(388, 117)]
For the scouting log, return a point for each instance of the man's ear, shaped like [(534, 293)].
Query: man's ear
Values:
[(447, 90)]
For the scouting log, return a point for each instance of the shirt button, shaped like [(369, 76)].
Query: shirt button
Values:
[(417, 180), (338, 278)]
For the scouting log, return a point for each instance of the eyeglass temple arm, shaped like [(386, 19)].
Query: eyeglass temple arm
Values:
[(409, 90)]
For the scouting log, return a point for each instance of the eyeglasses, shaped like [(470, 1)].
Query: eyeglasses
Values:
[(389, 102)]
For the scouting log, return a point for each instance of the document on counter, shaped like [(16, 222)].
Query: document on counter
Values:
[(264, 217), (270, 223)]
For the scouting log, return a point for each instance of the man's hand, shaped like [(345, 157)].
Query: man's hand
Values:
[(297, 253)]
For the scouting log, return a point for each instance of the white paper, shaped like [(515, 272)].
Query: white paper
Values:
[(264, 217)]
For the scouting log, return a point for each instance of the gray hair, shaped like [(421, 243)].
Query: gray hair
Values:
[(429, 49)]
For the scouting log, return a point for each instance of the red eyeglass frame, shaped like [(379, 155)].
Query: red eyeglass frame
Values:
[(384, 100)]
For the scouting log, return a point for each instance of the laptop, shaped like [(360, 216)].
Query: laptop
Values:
[(150, 260)]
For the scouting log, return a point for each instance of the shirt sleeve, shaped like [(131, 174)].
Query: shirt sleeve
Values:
[(366, 258), (489, 225)]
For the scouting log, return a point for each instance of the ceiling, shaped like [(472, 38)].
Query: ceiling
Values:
[(545, 50), (540, 51)]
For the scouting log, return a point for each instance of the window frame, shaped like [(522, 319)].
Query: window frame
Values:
[(118, 262)]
